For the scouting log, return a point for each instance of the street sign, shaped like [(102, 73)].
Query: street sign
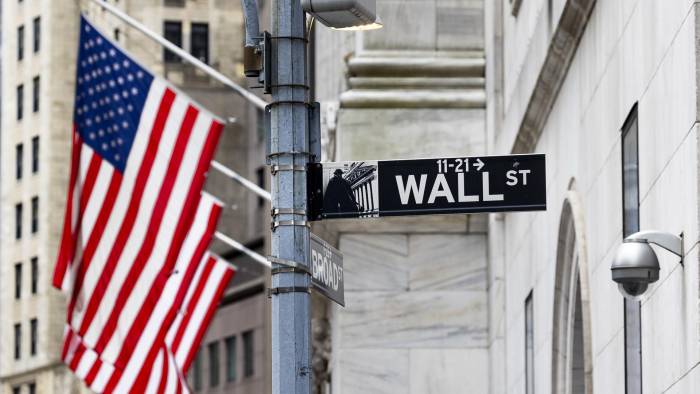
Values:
[(327, 270), (365, 189)]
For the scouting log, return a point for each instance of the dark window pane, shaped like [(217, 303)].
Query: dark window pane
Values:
[(18, 341), (248, 354), (20, 43), (230, 359), (36, 85), (15, 390), (199, 41), (260, 173), (35, 274), (197, 371), (175, 3), (173, 33), (20, 102), (37, 34), (19, 159), (32, 388), (18, 281), (529, 347), (35, 154), (35, 214), (33, 326), (213, 364), (630, 175), (18, 221), (116, 34)]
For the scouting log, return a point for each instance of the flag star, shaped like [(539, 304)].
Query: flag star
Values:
[(87, 78), (120, 110), (105, 146), (99, 40), (134, 91), (115, 96), (113, 143), (139, 74), (120, 141), (125, 124), (129, 108), (88, 122), (103, 55), (130, 77), (116, 66), (93, 73), (92, 136), (120, 80), (87, 28), (107, 100), (125, 94), (126, 64), (117, 157), (94, 105), (101, 133), (112, 52)]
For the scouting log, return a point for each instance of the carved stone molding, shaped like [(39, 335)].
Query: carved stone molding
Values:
[(562, 49)]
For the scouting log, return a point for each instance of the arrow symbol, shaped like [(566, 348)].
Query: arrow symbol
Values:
[(479, 164)]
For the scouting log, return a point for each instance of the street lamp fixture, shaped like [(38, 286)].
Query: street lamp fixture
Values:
[(345, 14)]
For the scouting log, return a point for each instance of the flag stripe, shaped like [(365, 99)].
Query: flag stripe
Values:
[(137, 265), (100, 275), (67, 248), (196, 327)]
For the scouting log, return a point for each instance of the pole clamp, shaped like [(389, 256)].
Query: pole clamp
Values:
[(286, 167), (294, 152), (297, 266), (282, 290), (287, 211), (281, 223)]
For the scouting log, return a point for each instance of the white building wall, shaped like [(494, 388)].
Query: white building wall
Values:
[(631, 51)]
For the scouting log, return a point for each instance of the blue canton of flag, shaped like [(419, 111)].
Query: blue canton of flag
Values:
[(110, 95)]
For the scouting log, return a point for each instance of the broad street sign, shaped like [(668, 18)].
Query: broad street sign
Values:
[(427, 186), (327, 270)]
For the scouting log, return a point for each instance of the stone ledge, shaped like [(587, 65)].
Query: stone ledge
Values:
[(419, 66), (410, 98), (416, 83)]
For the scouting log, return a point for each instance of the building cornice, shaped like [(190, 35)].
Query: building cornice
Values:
[(560, 53)]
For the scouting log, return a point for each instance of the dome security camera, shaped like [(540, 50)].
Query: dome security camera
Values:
[(636, 265)]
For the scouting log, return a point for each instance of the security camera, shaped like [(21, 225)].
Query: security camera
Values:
[(636, 265)]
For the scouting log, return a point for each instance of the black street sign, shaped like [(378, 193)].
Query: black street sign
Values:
[(427, 186), (327, 270)]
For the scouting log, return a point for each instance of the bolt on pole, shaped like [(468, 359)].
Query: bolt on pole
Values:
[(289, 146)]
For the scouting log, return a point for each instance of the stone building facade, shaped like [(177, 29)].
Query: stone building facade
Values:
[(234, 351), (608, 90)]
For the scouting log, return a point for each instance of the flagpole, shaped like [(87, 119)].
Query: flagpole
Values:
[(240, 179), (255, 100), (239, 246)]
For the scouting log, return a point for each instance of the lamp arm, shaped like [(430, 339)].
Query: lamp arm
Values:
[(252, 23), (668, 241)]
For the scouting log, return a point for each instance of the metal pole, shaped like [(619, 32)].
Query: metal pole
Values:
[(255, 100), (291, 301), (633, 347)]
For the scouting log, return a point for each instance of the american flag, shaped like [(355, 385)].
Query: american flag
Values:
[(141, 150)]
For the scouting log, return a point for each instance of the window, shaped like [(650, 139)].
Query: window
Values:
[(18, 341), (20, 102), (230, 343), (630, 174), (173, 33), (529, 347), (37, 33), (32, 388), (35, 154), (213, 364), (16, 390), (248, 359), (33, 336), (34, 262), (20, 43), (197, 371), (19, 159), (35, 94), (174, 3), (18, 281), (260, 173), (199, 41), (116, 34), (18, 221), (35, 214), (515, 7)]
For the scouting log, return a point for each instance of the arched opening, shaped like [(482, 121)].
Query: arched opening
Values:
[(571, 352)]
